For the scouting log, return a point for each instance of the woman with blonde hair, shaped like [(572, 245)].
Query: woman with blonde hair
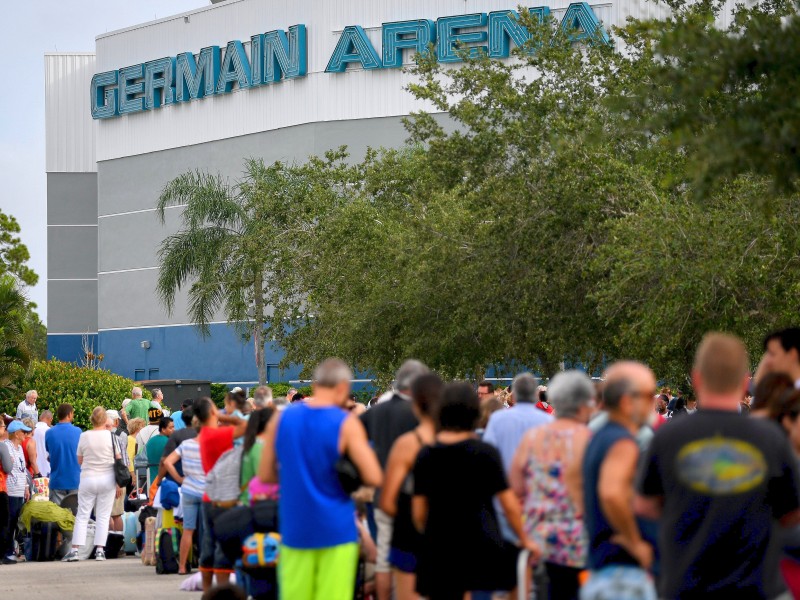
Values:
[(134, 427), (97, 449)]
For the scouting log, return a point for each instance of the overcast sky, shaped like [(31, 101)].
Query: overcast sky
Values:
[(28, 30)]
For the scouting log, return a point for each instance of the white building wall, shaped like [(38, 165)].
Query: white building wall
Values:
[(70, 130), (318, 97)]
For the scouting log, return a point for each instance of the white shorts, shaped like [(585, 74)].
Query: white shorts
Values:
[(384, 542)]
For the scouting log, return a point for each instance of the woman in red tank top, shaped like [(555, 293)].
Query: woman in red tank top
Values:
[(29, 448)]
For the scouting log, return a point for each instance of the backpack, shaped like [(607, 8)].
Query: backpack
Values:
[(168, 542), (140, 461), (223, 482)]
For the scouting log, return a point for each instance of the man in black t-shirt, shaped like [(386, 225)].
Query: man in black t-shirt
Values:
[(717, 482)]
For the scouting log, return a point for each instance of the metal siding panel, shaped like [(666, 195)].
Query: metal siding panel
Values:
[(69, 128)]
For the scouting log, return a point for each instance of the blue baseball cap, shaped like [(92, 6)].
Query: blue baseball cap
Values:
[(18, 426)]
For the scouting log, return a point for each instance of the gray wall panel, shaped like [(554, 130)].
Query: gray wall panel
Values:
[(360, 135), (72, 306), (134, 183), (72, 252), (128, 299), (129, 239), (71, 198)]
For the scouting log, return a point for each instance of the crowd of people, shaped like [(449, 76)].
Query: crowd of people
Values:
[(611, 489)]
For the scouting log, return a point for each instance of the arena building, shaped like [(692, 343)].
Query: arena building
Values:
[(273, 79)]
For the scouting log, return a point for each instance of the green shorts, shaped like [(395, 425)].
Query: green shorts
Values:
[(318, 574)]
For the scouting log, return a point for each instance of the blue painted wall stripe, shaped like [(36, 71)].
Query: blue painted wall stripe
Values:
[(176, 353)]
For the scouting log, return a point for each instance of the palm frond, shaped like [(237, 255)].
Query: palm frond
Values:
[(186, 255), (206, 198)]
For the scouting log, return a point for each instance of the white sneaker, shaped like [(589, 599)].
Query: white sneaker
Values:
[(72, 556), (99, 554)]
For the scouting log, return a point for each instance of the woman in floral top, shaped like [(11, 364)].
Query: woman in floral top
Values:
[(546, 475)]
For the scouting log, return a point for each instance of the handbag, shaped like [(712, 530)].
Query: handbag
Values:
[(347, 472), (121, 473)]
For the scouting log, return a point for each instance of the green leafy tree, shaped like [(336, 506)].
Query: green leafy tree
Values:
[(36, 334), (542, 224), (14, 257), (725, 95), (15, 353), (678, 268), (471, 247), (14, 254)]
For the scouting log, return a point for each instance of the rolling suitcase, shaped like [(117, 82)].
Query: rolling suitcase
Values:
[(45, 540), (131, 528), (149, 548)]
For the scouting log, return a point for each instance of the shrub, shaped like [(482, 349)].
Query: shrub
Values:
[(58, 382), (218, 391), (280, 388)]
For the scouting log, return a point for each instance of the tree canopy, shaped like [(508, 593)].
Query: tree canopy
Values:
[(22, 334), (14, 255), (727, 95)]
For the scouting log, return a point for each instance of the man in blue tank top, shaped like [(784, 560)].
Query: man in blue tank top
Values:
[(319, 539), (618, 555)]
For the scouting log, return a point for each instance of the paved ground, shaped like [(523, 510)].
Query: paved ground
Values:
[(119, 579)]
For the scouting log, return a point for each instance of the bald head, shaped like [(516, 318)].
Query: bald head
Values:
[(721, 365), (638, 374), (628, 390)]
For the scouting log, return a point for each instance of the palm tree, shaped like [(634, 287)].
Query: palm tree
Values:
[(240, 249), (14, 311), (218, 252)]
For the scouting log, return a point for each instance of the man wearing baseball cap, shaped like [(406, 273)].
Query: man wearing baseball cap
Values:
[(153, 417)]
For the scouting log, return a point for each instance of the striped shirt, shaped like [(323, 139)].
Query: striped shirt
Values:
[(18, 478), (194, 482)]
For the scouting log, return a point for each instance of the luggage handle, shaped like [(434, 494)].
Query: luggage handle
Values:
[(522, 574)]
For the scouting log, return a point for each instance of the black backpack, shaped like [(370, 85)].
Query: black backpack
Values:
[(168, 543)]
